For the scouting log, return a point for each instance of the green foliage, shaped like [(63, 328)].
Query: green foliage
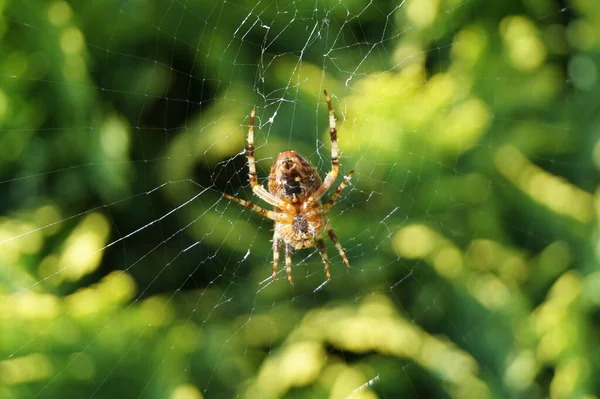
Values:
[(471, 224)]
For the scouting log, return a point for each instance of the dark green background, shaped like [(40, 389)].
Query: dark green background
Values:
[(470, 223)]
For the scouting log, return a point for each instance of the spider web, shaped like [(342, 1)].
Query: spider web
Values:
[(467, 223)]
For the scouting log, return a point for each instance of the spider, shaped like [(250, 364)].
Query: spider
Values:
[(295, 190)]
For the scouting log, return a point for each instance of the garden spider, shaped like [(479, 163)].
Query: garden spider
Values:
[(295, 190)]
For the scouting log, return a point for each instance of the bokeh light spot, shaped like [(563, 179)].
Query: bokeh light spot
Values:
[(59, 12), (72, 41), (186, 391)]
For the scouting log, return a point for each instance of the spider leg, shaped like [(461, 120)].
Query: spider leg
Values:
[(324, 257), (259, 190), (336, 242), (288, 262), (338, 191), (275, 255), (335, 162), (263, 212)]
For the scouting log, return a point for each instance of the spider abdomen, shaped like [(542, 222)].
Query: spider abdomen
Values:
[(292, 177)]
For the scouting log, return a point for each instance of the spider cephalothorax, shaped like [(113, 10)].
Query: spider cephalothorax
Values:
[(295, 190)]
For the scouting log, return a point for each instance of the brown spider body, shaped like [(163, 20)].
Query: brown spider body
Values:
[(294, 179), (295, 191)]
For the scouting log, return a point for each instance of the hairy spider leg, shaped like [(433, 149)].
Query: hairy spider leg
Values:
[(288, 262), (253, 207), (338, 191), (337, 244), (259, 190), (335, 162), (324, 257), (276, 249)]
